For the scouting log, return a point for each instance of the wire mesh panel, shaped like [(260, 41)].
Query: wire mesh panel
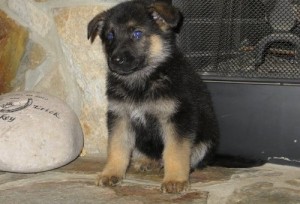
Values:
[(242, 39)]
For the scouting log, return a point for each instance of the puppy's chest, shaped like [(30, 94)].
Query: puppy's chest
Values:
[(161, 109)]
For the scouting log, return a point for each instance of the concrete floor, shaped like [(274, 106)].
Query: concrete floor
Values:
[(75, 183)]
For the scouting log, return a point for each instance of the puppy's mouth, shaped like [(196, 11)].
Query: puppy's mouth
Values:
[(123, 72), (125, 68)]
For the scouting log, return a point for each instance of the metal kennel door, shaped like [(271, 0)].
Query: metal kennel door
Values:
[(248, 53)]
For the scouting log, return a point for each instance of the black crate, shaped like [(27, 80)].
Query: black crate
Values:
[(248, 53), (244, 40)]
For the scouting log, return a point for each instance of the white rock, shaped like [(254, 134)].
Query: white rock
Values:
[(38, 132)]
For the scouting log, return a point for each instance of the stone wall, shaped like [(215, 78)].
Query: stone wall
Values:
[(59, 59), (13, 39)]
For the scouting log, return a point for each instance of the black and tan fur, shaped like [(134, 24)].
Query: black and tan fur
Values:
[(159, 112)]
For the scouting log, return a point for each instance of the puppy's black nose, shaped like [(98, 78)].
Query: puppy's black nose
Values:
[(118, 60)]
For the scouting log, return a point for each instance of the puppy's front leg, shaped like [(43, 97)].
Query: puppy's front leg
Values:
[(176, 157), (120, 146)]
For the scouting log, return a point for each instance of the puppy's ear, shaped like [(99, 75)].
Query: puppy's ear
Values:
[(165, 15), (95, 26)]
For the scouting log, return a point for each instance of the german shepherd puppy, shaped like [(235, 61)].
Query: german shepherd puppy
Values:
[(159, 111)]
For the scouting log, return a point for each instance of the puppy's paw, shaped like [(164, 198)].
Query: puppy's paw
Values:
[(147, 165), (174, 186), (108, 180)]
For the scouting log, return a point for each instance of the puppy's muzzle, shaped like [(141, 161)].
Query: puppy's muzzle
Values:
[(123, 63)]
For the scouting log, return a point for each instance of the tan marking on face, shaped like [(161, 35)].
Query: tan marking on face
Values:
[(176, 156), (156, 45), (131, 24), (159, 50), (120, 146)]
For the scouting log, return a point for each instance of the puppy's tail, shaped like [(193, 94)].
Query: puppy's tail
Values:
[(230, 161)]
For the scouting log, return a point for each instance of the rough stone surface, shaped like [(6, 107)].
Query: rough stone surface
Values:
[(13, 39), (61, 61), (75, 183), (89, 70), (35, 56), (38, 20), (32, 59), (265, 192), (37, 132)]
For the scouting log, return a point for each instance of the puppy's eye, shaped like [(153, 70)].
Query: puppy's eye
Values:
[(137, 34), (110, 36)]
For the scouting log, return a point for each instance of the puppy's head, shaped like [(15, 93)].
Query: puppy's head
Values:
[(136, 35)]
